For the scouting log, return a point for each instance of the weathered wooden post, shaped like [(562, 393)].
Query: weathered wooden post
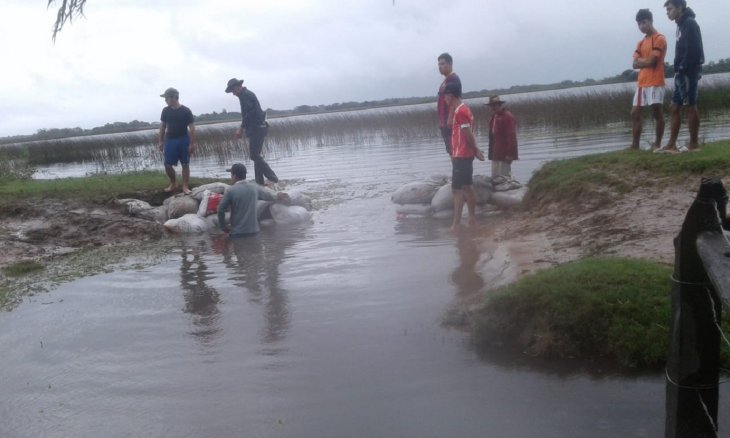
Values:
[(694, 351)]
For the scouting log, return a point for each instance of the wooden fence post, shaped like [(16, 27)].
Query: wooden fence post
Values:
[(694, 353)]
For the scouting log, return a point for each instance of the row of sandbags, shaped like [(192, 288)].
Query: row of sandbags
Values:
[(435, 196), (187, 214)]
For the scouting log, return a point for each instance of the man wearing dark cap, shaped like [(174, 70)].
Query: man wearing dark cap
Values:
[(177, 138), (241, 197), (463, 150), (256, 127)]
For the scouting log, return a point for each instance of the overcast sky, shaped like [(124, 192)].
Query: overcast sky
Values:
[(113, 64)]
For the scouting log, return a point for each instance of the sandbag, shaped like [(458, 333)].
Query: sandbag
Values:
[(509, 198), (156, 214), (482, 185), (289, 214), (209, 203), (216, 187), (262, 209), (297, 197), (443, 199), (417, 209), (181, 205), (189, 223), (415, 193), (133, 207)]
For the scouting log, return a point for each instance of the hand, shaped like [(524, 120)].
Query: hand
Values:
[(239, 132), (479, 155), (283, 198), (191, 148), (161, 146)]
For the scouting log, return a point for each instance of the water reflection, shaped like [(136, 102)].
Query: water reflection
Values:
[(201, 300), (254, 264), (466, 278)]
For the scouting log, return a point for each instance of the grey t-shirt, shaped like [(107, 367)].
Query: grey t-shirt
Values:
[(241, 197)]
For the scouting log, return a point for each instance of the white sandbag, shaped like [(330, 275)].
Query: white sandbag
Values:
[(189, 223), (203, 206), (445, 214), (289, 214), (212, 221), (181, 205), (417, 209), (508, 198), (262, 209), (297, 197), (156, 214), (216, 187), (415, 193), (443, 199), (134, 206), (482, 185)]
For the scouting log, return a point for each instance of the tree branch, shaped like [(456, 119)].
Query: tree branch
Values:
[(67, 11)]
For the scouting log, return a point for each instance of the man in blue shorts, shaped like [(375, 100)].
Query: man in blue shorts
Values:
[(689, 56), (177, 138)]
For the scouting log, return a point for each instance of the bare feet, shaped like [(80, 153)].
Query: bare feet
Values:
[(186, 191), (170, 188)]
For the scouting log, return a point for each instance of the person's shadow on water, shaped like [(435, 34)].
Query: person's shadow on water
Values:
[(201, 300), (254, 264)]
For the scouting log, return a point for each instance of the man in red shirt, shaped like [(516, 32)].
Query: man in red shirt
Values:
[(463, 150), (446, 65)]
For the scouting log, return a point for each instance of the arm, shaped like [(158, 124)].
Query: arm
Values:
[(163, 126), (694, 55), (511, 138), (471, 142), (222, 207), (191, 129)]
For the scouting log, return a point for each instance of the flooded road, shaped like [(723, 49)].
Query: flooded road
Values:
[(333, 329)]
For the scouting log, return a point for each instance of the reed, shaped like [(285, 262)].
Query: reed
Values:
[(581, 108)]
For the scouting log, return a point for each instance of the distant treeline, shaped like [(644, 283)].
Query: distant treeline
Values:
[(721, 66)]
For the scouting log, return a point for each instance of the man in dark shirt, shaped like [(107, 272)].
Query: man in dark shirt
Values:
[(177, 138), (689, 56), (254, 122), (446, 65)]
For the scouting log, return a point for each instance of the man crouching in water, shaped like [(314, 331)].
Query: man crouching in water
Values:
[(241, 197), (463, 150)]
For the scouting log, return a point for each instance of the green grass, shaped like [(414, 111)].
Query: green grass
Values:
[(603, 175), (613, 310), (21, 268), (96, 188), (604, 308)]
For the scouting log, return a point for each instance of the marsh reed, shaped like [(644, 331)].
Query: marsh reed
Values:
[(580, 108)]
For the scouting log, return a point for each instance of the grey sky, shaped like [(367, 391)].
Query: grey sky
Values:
[(113, 64)]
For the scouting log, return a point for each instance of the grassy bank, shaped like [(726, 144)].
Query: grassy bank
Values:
[(95, 189), (615, 310), (612, 310), (597, 178)]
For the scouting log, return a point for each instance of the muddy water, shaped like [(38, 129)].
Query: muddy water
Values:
[(327, 330)]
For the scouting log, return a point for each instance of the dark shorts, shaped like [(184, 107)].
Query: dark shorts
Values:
[(685, 88), (176, 150), (446, 134), (461, 173)]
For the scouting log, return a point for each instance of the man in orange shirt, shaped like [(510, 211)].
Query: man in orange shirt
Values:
[(463, 150), (649, 59)]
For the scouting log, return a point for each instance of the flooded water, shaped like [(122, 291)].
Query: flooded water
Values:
[(333, 329)]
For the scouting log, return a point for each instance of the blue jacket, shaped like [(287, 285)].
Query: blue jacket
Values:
[(689, 54)]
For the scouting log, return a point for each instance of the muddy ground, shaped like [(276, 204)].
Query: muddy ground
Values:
[(641, 224)]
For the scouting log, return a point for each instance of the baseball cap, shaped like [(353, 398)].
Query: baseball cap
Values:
[(170, 92), (238, 170)]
